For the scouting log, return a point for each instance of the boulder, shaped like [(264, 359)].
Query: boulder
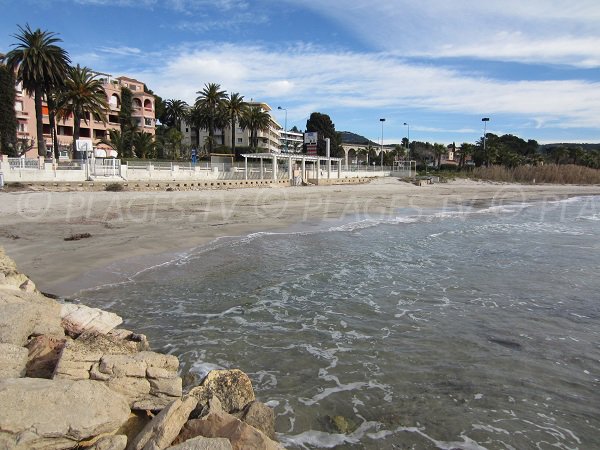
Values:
[(218, 423), (77, 319), (147, 379), (43, 356), (24, 315), (165, 427), (13, 361), (40, 413), (204, 443), (261, 417), (117, 442), (232, 387)]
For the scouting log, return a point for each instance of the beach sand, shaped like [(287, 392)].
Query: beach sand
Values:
[(130, 231)]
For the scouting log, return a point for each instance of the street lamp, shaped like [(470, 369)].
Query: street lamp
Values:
[(285, 129), (485, 120), (381, 150), (407, 139)]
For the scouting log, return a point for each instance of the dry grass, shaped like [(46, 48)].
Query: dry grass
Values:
[(549, 173)]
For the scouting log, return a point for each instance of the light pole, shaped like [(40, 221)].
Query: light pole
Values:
[(485, 120), (407, 139), (285, 129), (381, 149)]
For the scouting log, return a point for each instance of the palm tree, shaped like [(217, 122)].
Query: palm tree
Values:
[(83, 94), (211, 100), (117, 141), (175, 112), (144, 144), (39, 63), (235, 107), (255, 119), (439, 150)]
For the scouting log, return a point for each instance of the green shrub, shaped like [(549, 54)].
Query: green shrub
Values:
[(114, 187)]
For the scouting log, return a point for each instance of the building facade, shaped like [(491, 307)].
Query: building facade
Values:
[(268, 141), (291, 141), (93, 128)]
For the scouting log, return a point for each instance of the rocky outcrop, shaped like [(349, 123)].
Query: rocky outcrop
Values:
[(148, 380), (77, 319), (13, 361), (44, 352), (25, 315), (40, 413), (204, 443), (218, 423), (232, 387), (165, 427), (70, 379)]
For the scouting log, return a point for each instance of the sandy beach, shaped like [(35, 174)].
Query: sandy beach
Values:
[(129, 231)]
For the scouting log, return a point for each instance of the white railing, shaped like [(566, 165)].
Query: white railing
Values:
[(24, 163)]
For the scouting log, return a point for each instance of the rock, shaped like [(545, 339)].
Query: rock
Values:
[(218, 423), (341, 424), (40, 413), (77, 319), (118, 442), (204, 443), (23, 315), (261, 417), (140, 341), (134, 425), (27, 286), (165, 427), (148, 380), (232, 387), (43, 356), (13, 361)]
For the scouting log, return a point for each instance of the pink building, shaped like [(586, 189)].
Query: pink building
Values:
[(93, 127)]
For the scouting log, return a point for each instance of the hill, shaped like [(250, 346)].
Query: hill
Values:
[(352, 138)]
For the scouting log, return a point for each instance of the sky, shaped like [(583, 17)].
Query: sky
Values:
[(531, 67)]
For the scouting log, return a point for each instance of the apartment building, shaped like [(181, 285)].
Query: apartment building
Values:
[(291, 141), (269, 141), (92, 127)]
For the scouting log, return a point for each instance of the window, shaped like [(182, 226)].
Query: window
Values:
[(187, 130), (22, 127), (18, 106), (239, 140), (148, 122)]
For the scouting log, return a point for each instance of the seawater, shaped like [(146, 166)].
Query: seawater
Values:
[(470, 328)]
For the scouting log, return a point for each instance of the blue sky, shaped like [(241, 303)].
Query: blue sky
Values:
[(531, 67)]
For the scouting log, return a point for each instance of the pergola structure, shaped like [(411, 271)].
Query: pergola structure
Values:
[(292, 159)]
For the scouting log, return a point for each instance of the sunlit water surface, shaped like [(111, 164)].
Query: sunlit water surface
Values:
[(464, 328)]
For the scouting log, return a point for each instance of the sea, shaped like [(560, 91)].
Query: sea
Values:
[(473, 326)]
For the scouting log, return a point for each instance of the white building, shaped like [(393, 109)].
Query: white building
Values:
[(268, 141), (291, 141)]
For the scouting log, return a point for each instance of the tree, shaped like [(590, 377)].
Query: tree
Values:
[(128, 126), (117, 141), (438, 151), (83, 94), (236, 108), (466, 150), (39, 62), (255, 119), (144, 145), (325, 128), (175, 112), (211, 99), (8, 118)]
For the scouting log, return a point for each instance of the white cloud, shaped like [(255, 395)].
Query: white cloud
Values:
[(364, 82), (535, 31)]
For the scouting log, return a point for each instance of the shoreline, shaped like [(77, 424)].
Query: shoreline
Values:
[(142, 230)]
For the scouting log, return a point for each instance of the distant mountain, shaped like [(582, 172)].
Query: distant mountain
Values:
[(352, 138)]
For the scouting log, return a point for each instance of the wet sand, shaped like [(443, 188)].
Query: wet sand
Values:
[(130, 231)]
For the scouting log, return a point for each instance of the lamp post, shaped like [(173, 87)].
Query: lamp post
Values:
[(407, 139), (485, 120), (285, 129), (381, 149)]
